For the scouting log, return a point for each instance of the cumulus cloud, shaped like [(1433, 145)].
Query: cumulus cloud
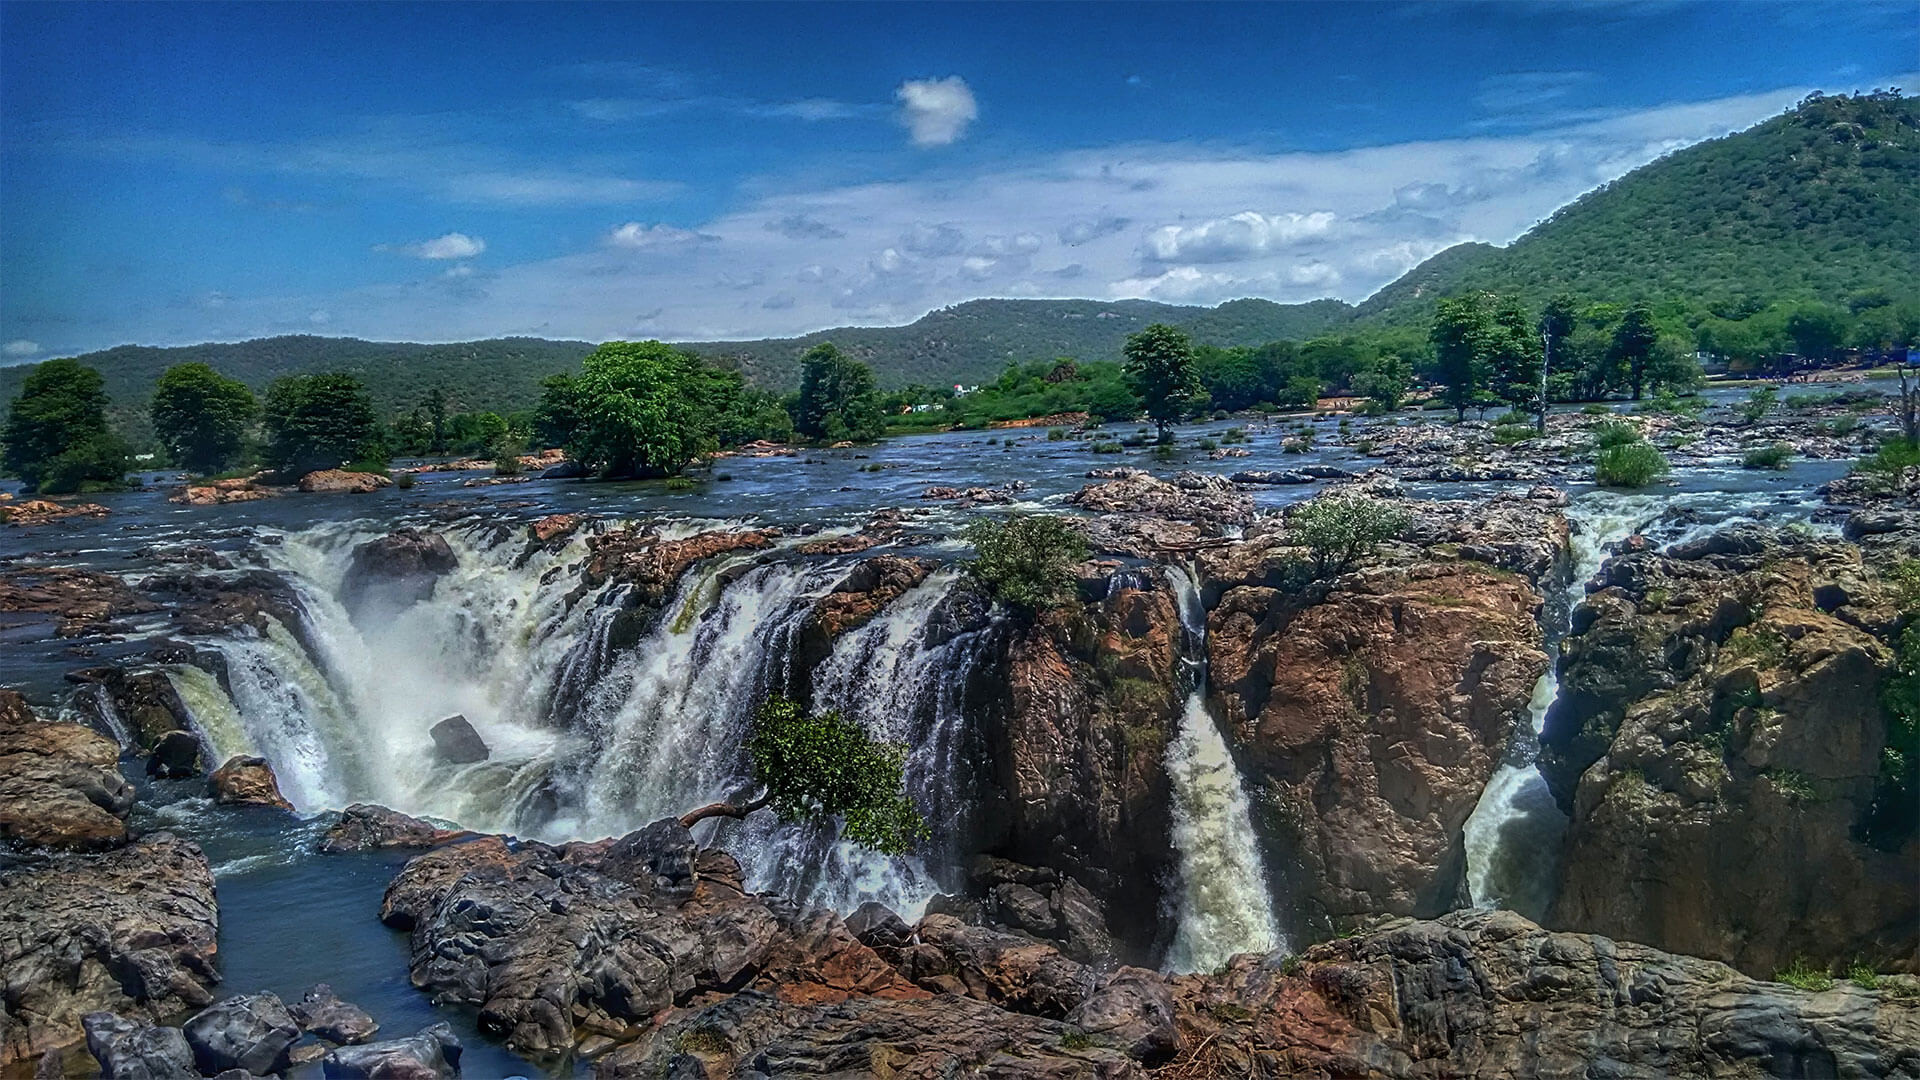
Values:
[(1245, 235), (1075, 233), (1000, 247), (634, 236), (20, 348), (933, 241), (936, 112), (453, 245)]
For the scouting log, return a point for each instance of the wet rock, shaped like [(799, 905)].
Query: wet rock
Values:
[(1864, 523), (340, 481), (367, 827), (144, 703), (457, 743), (246, 781), (61, 788), (251, 1032), (1133, 1011), (565, 470), (1718, 743), (46, 511), (1273, 477), (970, 496), (1044, 903), (555, 527), (219, 492), (130, 932), (653, 565), (877, 927), (321, 1013), (431, 1054), (14, 709), (175, 756), (211, 604), (79, 602), (1196, 497), (132, 1051), (1012, 971), (396, 571)]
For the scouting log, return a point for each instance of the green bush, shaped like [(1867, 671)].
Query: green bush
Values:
[(1025, 562), (1768, 457), (404, 481), (821, 765), (1340, 530), (1055, 434), (1598, 410), (1508, 434), (1802, 975), (1630, 466), (1759, 404), (1611, 433), (1105, 446)]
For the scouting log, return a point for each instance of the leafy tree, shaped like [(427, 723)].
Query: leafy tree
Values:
[(202, 417), (1459, 339), (1817, 330), (1385, 380), (1513, 355), (56, 438), (1633, 343), (1025, 562), (641, 409), (821, 766), (318, 422), (436, 406), (1557, 322), (1759, 403), (838, 399), (1160, 366), (1340, 530)]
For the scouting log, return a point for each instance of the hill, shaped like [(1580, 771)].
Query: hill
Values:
[(1819, 203), (974, 341)]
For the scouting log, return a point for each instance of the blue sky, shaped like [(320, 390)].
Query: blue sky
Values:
[(178, 173)]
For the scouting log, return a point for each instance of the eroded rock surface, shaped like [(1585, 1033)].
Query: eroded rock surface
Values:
[(396, 571), (60, 786), (246, 781)]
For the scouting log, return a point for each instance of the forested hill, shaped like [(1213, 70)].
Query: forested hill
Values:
[(1819, 203), (974, 341)]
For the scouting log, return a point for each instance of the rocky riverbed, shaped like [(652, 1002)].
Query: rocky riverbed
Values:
[(264, 712)]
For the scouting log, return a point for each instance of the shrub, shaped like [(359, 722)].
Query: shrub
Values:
[(1508, 434), (821, 765), (1629, 466), (1802, 975), (1759, 404), (1234, 435), (1055, 434), (1597, 409), (679, 483), (1767, 457), (1863, 976), (1611, 433), (1207, 445), (1340, 530), (404, 481), (1842, 426), (1025, 562), (1106, 446)]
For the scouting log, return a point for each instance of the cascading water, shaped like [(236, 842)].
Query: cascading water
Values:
[(1223, 905), (590, 739)]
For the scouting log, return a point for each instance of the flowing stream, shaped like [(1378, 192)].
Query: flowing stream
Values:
[(1223, 904)]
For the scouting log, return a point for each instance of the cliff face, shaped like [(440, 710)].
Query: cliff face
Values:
[(1719, 743)]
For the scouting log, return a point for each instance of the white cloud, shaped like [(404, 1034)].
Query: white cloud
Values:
[(1245, 235), (1180, 284), (20, 348), (453, 245), (936, 111), (634, 236)]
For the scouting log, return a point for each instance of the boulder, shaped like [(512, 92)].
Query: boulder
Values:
[(129, 932), (392, 573), (340, 481), (431, 1054), (565, 470), (321, 1013), (45, 511), (1195, 497), (141, 706), (130, 1051), (653, 564), (246, 781), (1133, 1011), (457, 743), (14, 709), (366, 827), (78, 602), (60, 787), (176, 755), (251, 1032), (555, 527)]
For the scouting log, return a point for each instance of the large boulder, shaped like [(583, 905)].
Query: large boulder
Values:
[(60, 786), (246, 781), (129, 932), (131, 1051), (457, 743), (321, 1013), (431, 1054), (392, 573), (367, 827), (177, 754), (652, 562), (140, 705), (1718, 741), (341, 481), (252, 1032), (1195, 497)]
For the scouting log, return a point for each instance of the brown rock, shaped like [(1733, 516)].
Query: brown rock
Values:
[(60, 787), (14, 709), (246, 781), (1195, 497), (130, 932), (365, 827), (555, 527), (334, 481), (653, 565), (868, 588), (82, 601), (43, 511)]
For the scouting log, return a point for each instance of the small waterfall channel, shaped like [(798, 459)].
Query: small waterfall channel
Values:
[(1222, 901), (592, 736)]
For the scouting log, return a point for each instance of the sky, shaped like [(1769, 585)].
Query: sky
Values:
[(176, 173)]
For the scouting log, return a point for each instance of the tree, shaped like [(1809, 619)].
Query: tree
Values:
[(1513, 355), (1817, 330), (1460, 349), (1160, 367), (436, 405), (318, 422), (202, 417), (1557, 322), (641, 409), (1340, 530), (56, 438), (1025, 562), (821, 766), (1384, 379), (838, 399), (1633, 343)]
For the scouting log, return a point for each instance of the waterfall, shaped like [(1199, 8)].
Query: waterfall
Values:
[(1222, 904), (590, 738)]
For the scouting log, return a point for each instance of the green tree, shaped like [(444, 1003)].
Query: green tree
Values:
[(202, 417), (1160, 367), (318, 422), (1633, 344), (1558, 320), (1817, 330), (436, 405), (57, 439), (641, 409), (1340, 530), (1513, 355), (1459, 338), (1025, 562), (1385, 380), (821, 767), (838, 398)]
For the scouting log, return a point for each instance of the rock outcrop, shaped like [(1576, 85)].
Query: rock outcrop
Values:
[(251, 1032), (60, 786), (246, 781), (652, 564), (340, 481), (457, 743), (392, 573), (79, 602), (1195, 497), (321, 1013), (366, 827), (428, 1055), (130, 932), (45, 511), (1718, 741)]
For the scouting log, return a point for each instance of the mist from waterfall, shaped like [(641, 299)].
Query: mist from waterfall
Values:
[(588, 739), (1223, 906)]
